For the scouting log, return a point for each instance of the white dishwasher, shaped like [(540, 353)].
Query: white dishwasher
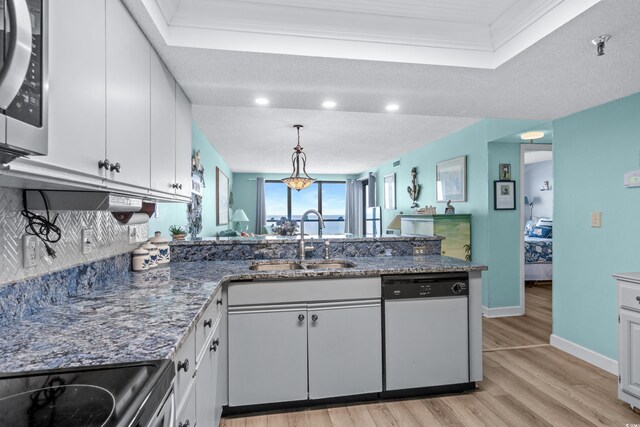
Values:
[(426, 330)]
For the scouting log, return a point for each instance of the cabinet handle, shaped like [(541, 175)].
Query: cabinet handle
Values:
[(314, 317), (301, 317), (208, 323), (214, 344), (115, 167), (183, 365), (104, 164), (185, 424), (219, 301), (176, 186), (638, 298)]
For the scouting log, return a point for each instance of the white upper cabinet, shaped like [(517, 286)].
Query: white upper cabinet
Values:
[(77, 88), (183, 144), (128, 99), (163, 127)]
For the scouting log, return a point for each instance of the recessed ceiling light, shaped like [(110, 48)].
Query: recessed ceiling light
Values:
[(262, 101), (529, 136), (392, 107), (329, 104)]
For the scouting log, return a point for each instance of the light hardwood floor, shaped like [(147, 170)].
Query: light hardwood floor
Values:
[(536, 386)]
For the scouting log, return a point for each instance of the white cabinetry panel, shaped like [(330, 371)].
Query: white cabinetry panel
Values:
[(345, 349), (128, 98), (630, 352), (267, 355), (163, 126), (183, 143)]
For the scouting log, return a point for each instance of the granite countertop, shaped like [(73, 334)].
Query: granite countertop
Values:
[(275, 239), (144, 316)]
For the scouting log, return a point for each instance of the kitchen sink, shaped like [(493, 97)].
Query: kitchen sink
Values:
[(300, 265), (329, 265), (276, 266)]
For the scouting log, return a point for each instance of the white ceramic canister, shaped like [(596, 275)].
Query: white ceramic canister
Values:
[(140, 260), (162, 243), (153, 254)]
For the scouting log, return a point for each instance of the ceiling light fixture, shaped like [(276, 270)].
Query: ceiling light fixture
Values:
[(262, 101), (329, 104), (599, 43), (295, 181), (531, 136), (392, 107)]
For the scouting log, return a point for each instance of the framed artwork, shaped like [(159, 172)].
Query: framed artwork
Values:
[(504, 171), (222, 198), (504, 195), (390, 191), (451, 180)]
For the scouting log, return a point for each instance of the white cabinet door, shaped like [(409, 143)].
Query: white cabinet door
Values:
[(206, 383), (163, 126), (345, 349), (77, 87), (183, 144), (267, 355), (630, 352), (128, 95), (222, 374)]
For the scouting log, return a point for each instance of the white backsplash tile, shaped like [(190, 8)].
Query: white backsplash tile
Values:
[(110, 238)]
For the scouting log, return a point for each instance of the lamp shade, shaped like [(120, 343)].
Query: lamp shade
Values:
[(239, 216), (395, 223)]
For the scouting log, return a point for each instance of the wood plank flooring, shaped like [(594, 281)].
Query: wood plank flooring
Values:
[(538, 386)]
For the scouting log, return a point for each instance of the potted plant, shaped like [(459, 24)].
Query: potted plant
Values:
[(177, 233)]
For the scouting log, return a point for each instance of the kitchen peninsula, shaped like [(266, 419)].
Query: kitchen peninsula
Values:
[(151, 315)]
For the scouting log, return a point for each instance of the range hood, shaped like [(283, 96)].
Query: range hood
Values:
[(81, 201)]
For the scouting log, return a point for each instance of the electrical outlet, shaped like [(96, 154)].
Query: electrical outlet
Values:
[(30, 251), (596, 219), (87, 240), (136, 235), (419, 250)]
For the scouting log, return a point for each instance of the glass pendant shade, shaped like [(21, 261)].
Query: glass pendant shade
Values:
[(298, 181)]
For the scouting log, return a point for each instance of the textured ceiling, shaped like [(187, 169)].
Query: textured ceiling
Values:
[(557, 76)]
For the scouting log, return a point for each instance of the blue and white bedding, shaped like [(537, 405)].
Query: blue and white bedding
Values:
[(538, 250)]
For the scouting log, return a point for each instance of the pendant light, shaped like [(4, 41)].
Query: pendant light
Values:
[(295, 181)]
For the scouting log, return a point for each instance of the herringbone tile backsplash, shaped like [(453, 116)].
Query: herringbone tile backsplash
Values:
[(110, 238)]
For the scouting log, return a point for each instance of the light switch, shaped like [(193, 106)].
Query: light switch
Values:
[(596, 219)]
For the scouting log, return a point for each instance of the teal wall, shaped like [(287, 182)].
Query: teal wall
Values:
[(501, 284), (176, 213), (245, 192), (592, 150)]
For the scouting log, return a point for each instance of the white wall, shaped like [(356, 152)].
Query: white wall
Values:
[(535, 174)]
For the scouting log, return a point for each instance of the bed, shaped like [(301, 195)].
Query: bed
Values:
[(538, 254)]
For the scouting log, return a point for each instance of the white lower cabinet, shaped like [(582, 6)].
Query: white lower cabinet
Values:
[(302, 350), (206, 382), (186, 416), (345, 349), (267, 355), (629, 338)]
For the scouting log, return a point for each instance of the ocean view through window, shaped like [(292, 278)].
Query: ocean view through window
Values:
[(327, 197)]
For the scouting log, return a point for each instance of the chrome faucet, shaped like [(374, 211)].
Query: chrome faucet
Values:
[(303, 248)]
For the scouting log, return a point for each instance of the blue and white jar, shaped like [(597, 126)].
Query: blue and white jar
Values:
[(162, 243), (140, 260)]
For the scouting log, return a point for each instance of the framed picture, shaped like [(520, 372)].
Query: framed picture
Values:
[(504, 195), (451, 180), (390, 191), (504, 171), (222, 198)]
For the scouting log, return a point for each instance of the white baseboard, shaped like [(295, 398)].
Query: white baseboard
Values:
[(589, 356), (502, 311)]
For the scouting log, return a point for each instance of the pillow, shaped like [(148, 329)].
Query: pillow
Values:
[(545, 222), (528, 227), (541, 231)]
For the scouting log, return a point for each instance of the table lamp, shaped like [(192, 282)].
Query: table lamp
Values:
[(238, 218)]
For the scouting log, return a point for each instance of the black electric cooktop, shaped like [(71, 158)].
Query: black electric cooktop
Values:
[(109, 395)]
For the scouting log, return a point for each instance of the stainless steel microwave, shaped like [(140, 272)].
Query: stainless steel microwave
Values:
[(23, 78)]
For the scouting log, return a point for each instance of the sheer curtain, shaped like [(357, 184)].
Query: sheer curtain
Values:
[(261, 214), (354, 199)]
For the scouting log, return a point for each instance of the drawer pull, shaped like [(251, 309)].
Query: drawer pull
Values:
[(301, 317), (314, 317), (207, 323), (219, 301), (185, 424), (183, 365), (214, 345), (638, 298)]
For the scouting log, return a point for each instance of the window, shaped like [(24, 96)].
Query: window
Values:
[(371, 214), (327, 197)]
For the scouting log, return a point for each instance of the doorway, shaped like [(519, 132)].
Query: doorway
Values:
[(536, 231)]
